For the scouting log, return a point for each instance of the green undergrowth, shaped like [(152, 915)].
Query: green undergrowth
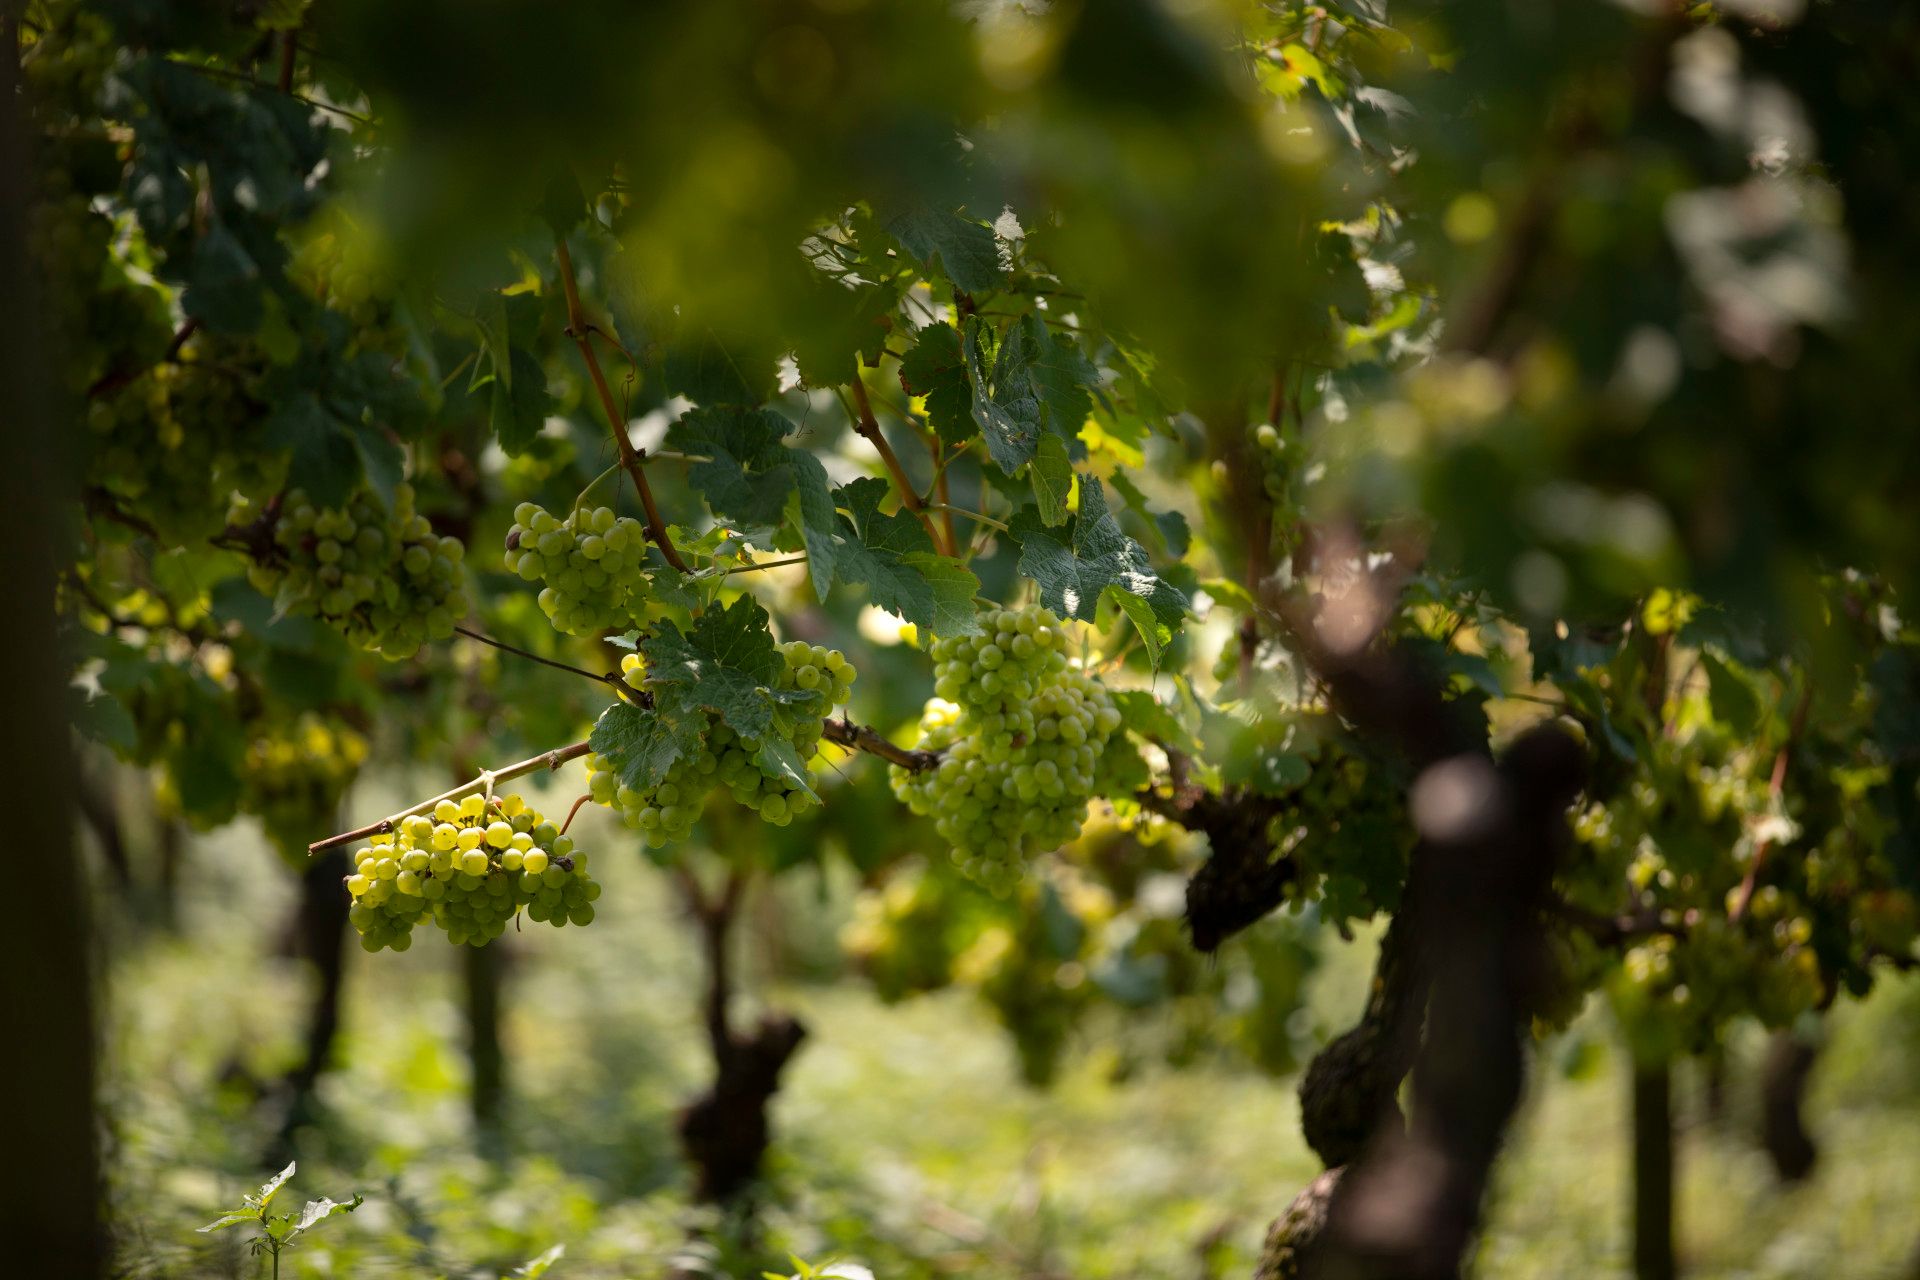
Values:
[(904, 1139)]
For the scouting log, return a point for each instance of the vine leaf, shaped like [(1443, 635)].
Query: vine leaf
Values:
[(1040, 384), (749, 471), (1050, 368), (936, 367), (893, 556), (964, 250), (224, 284), (642, 745), (1170, 526), (1098, 560), (1052, 474), (725, 665), (520, 401), (1006, 412), (1153, 720), (1731, 696), (849, 318), (753, 478)]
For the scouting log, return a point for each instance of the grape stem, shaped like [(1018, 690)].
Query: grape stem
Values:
[(858, 737), (869, 426), (573, 811), (941, 493), (545, 760), (974, 516), (581, 332), (756, 566), (609, 678), (843, 732), (1775, 785)]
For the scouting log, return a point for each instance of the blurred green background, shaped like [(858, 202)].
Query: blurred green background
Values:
[(904, 1136)]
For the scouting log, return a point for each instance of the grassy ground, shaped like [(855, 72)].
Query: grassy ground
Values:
[(904, 1138)]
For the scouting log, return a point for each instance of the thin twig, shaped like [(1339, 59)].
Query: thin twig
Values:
[(287, 49), (221, 73), (757, 565), (121, 377), (607, 677), (571, 813), (578, 330), (520, 768), (842, 732), (940, 490), (869, 426), (102, 503), (1775, 785), (974, 516)]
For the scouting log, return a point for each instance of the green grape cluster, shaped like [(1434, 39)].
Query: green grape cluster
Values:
[(591, 566), (170, 446), (295, 771), (1679, 839), (470, 868), (184, 715), (380, 575), (1275, 469), (726, 761), (1344, 826), (1034, 974), (342, 266), (1022, 737), (66, 54), (904, 936)]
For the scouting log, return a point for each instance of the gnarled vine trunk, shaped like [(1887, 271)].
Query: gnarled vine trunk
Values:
[(50, 1190), (726, 1130), (319, 936), (1653, 1171), (1783, 1088)]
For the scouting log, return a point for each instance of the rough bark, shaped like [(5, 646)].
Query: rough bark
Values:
[(1783, 1087), (1292, 1247), (481, 968), (1241, 881), (1410, 1204), (1653, 1172), (320, 935), (725, 1132), (50, 1190), (1351, 1088)]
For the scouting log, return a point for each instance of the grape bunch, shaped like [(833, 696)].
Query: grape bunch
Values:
[(343, 266), (295, 772), (906, 936), (727, 761), (1022, 735), (168, 447), (381, 576), (1679, 841), (470, 868), (1344, 826), (590, 566)]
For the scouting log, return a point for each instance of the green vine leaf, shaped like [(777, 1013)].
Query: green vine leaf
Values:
[(642, 745), (894, 558), (936, 367), (725, 665), (1006, 413), (1098, 559), (1051, 472), (749, 471), (964, 250)]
